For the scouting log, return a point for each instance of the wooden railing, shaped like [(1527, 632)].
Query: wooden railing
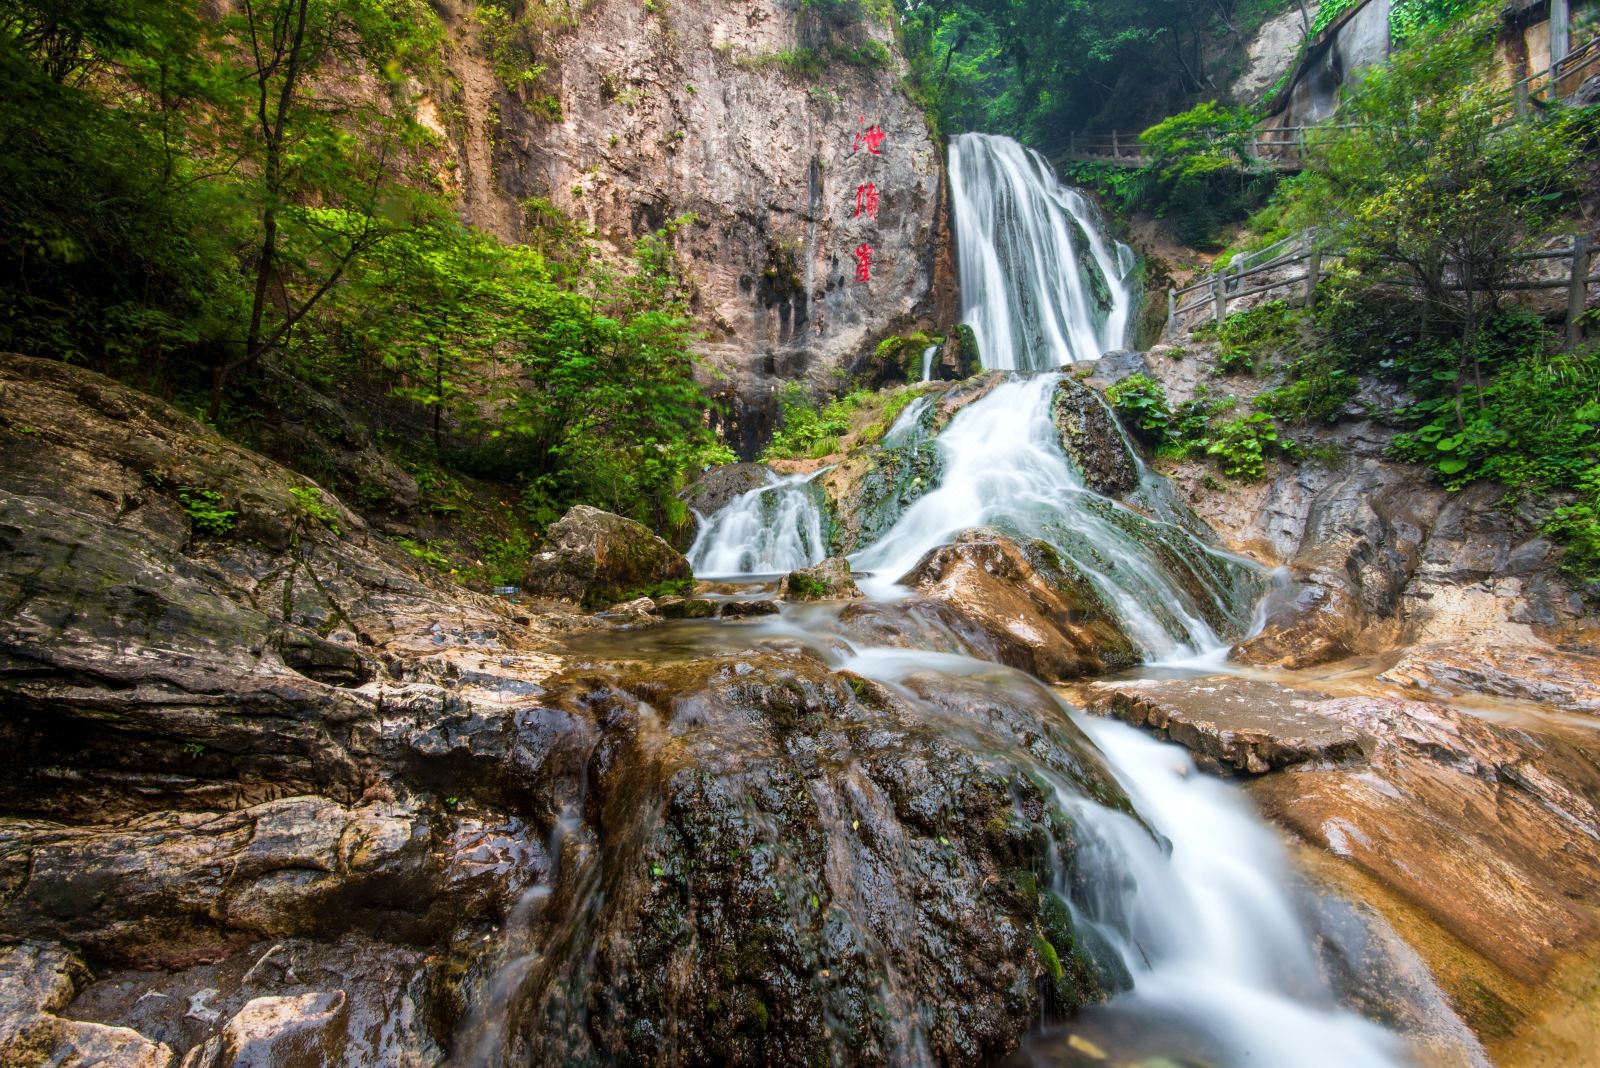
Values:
[(1221, 287)]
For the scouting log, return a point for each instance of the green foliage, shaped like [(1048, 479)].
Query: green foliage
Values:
[(1327, 12), (808, 431), (182, 206), (309, 503), (505, 560), (1248, 340), (426, 553), (1241, 445), (1142, 402), (206, 513)]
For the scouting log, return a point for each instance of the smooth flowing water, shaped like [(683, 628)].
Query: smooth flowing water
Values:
[(1042, 282), (769, 530)]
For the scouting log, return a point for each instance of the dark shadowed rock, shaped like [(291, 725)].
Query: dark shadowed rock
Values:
[(760, 606), (711, 491), (594, 559), (1091, 437)]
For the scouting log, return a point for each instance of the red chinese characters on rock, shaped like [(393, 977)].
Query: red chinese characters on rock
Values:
[(871, 139), (863, 262), (867, 200)]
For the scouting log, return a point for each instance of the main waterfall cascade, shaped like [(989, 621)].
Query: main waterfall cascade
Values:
[(1042, 283), (1190, 900)]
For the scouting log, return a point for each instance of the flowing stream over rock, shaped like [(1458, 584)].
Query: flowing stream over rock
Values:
[(1173, 901)]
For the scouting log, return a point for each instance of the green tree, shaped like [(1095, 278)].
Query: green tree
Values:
[(300, 146), (1433, 183)]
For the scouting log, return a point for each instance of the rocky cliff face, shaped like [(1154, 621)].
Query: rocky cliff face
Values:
[(752, 117)]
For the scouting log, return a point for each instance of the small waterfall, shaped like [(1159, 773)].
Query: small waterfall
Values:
[(771, 530), (927, 361), (1042, 283), (1003, 467)]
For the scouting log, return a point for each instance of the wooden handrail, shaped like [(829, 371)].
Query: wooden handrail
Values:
[(1225, 284)]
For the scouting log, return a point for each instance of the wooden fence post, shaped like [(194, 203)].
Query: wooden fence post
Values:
[(1172, 313), (1219, 298), (1577, 287), (1116, 147), (1521, 107)]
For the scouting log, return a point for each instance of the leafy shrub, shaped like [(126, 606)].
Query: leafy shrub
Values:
[(810, 432), (308, 502), (1142, 402), (1248, 339), (206, 513), (1241, 445), (506, 559)]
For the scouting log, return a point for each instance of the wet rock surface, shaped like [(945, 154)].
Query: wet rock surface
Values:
[(1232, 725), (1038, 615), (291, 797), (1091, 437), (594, 558), (799, 857)]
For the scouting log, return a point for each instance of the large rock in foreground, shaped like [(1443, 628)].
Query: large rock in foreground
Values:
[(595, 559), (1039, 616)]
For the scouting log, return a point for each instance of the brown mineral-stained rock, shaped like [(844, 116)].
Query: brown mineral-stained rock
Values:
[(1492, 832), (38, 981), (302, 1031), (1528, 672), (1231, 724), (1046, 625), (594, 559)]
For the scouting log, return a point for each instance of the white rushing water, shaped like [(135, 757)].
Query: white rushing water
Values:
[(1003, 467), (1042, 283), (770, 530), (1208, 930)]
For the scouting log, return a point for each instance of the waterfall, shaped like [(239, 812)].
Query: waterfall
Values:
[(1042, 284), (1003, 467), (771, 530)]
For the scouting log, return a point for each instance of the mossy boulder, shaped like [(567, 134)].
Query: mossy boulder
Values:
[(828, 581), (1091, 438), (594, 559)]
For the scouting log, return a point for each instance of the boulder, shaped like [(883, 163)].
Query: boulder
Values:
[(304, 1031), (1091, 437), (828, 581), (1231, 725), (771, 827), (594, 559), (711, 491), (749, 609), (685, 608), (1039, 617), (1116, 365)]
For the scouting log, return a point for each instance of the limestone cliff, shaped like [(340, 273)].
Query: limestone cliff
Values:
[(746, 115)]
